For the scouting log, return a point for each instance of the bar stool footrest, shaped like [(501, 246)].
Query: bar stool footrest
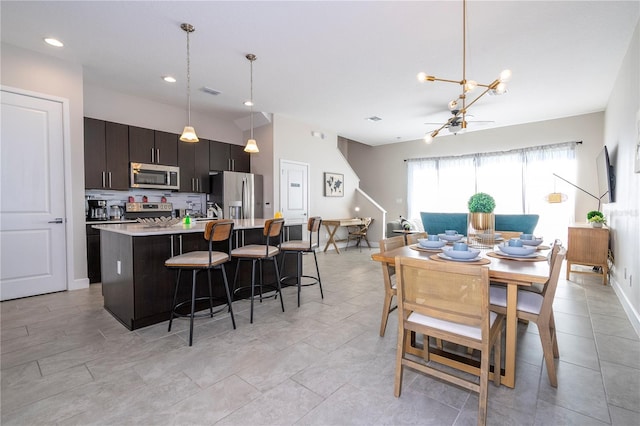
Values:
[(199, 314), (295, 283)]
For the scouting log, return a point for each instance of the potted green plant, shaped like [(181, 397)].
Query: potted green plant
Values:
[(596, 218), (481, 206)]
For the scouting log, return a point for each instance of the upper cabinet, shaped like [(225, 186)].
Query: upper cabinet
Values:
[(152, 146), (228, 157), (193, 159), (106, 147)]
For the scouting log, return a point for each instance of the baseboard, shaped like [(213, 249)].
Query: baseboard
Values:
[(78, 284), (633, 315)]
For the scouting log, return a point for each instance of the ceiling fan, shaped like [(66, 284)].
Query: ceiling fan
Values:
[(459, 121)]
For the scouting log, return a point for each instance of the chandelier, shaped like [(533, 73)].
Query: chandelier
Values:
[(460, 105)]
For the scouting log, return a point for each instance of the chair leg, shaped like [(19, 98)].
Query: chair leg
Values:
[(299, 274), (175, 297), (275, 265), (315, 258), (402, 343), (547, 351), (193, 305), (210, 293), (235, 279), (386, 307), (484, 380), (226, 288), (253, 282), (554, 336), (497, 359)]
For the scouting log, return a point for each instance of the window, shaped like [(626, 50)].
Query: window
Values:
[(519, 180)]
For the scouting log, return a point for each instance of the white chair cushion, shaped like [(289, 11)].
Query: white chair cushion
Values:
[(197, 259), (254, 250), (449, 326), (528, 301)]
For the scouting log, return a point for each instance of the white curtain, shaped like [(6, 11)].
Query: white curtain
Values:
[(519, 180)]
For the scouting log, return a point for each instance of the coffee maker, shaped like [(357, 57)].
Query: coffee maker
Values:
[(97, 210)]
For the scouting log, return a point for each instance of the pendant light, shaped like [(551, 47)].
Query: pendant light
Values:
[(189, 133), (251, 147)]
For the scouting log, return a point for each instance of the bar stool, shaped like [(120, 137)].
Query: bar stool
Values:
[(198, 261), (300, 247), (259, 252)]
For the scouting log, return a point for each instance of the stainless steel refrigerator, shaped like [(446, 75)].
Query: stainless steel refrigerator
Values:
[(238, 194)]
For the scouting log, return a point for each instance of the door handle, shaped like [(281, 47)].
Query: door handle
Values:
[(57, 220), (158, 155), (153, 153)]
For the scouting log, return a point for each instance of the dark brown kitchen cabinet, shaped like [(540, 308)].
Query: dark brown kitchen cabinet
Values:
[(106, 147), (193, 159), (152, 146), (240, 160), (228, 157), (141, 145)]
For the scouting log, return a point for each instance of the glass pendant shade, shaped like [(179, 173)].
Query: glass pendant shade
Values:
[(251, 147), (189, 135)]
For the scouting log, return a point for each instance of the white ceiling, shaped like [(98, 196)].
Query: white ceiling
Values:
[(333, 64)]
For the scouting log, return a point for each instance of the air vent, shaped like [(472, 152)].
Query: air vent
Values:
[(374, 118), (211, 91)]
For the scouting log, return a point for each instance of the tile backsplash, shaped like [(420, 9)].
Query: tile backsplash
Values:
[(180, 200)]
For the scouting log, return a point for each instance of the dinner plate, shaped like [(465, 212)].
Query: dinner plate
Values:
[(534, 242), (424, 243), (534, 254), (517, 251), (444, 256), (470, 253), (450, 238)]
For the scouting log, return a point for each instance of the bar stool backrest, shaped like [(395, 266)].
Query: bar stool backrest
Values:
[(313, 226), (273, 229), (218, 230)]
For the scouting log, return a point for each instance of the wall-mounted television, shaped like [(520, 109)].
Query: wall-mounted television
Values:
[(606, 177)]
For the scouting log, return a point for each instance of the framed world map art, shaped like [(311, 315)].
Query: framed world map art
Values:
[(333, 184)]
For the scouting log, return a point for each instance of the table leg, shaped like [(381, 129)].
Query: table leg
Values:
[(509, 378), (332, 233)]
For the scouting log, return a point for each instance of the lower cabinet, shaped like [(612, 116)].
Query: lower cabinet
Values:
[(93, 255)]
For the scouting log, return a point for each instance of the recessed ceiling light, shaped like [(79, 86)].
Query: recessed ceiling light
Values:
[(53, 42), (248, 103), (169, 79), (374, 118)]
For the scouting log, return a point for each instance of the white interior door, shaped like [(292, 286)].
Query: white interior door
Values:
[(294, 190), (32, 204)]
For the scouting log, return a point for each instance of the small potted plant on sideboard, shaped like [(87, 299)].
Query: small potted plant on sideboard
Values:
[(596, 218)]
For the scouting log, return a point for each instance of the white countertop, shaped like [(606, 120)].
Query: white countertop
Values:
[(141, 230)]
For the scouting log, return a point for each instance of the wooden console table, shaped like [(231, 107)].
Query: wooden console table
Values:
[(588, 246)]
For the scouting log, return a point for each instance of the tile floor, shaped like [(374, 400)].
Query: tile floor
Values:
[(66, 361)]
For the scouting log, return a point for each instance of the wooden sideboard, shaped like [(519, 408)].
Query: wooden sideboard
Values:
[(588, 246)]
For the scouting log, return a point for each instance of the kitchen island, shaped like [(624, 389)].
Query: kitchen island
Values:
[(138, 288)]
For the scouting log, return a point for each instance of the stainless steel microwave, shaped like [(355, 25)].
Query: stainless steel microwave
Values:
[(156, 176)]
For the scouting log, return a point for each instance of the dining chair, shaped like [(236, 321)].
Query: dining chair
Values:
[(389, 279), (538, 308), (300, 247), (360, 233), (272, 233), (198, 261), (451, 302), (413, 238)]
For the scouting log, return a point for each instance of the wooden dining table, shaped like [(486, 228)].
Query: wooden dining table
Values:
[(513, 273), (332, 226)]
